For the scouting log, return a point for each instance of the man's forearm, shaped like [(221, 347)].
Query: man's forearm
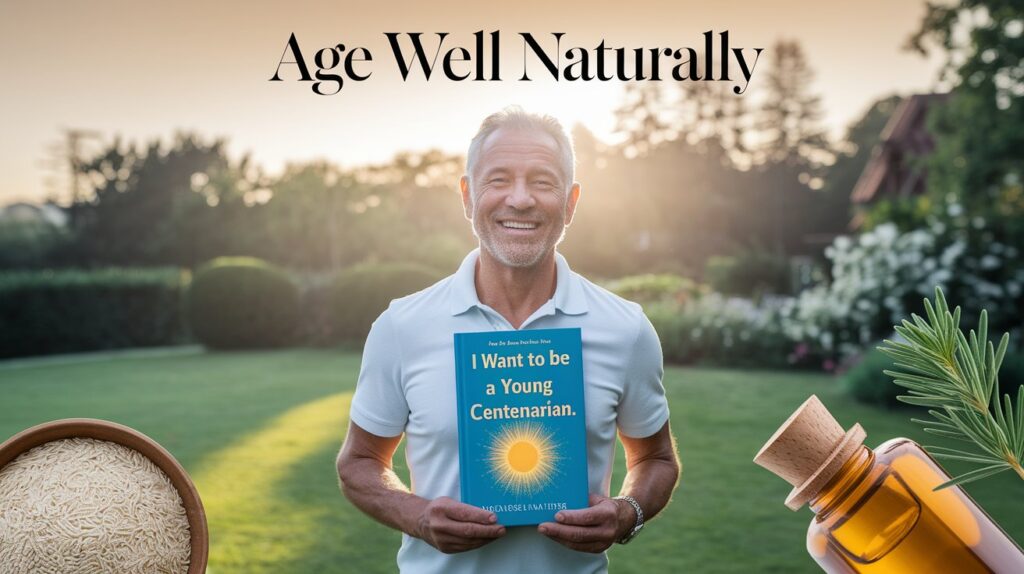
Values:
[(444, 523), (376, 490), (651, 483), (652, 473)]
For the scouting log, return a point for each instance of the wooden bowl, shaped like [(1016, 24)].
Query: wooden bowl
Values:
[(104, 430)]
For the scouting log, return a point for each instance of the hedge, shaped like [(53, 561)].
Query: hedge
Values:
[(66, 311)]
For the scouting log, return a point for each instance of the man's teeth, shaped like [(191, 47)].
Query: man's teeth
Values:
[(519, 225)]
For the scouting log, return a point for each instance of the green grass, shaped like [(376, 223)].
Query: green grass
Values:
[(258, 432)]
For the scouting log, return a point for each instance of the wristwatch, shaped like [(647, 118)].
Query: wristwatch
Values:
[(639, 519)]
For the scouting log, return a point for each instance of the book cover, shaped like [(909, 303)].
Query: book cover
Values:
[(522, 430)]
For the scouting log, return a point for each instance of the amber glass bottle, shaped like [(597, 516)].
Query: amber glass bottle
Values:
[(876, 511)]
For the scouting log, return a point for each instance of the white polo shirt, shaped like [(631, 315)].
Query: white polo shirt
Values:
[(407, 385)]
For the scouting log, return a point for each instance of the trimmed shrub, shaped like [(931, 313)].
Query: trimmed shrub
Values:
[(242, 303), (661, 288), (749, 274), (867, 382), (67, 311), (362, 292)]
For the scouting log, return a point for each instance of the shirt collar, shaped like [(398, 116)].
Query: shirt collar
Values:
[(569, 297)]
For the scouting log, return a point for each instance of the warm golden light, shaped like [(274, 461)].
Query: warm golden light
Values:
[(359, 125)]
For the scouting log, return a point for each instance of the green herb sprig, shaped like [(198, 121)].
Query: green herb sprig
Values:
[(956, 378)]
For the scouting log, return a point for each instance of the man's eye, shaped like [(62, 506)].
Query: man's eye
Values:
[(497, 181), (543, 183)]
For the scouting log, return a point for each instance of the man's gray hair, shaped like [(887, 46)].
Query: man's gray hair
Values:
[(515, 117)]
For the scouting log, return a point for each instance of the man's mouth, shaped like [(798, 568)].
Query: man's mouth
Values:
[(513, 224)]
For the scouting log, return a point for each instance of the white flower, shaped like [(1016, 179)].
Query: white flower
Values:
[(887, 232)]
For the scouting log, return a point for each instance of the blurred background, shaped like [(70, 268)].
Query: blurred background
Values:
[(180, 238)]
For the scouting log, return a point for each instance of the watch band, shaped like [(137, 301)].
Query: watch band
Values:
[(639, 519)]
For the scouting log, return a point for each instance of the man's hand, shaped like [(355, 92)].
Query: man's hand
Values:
[(452, 526), (367, 479), (592, 529)]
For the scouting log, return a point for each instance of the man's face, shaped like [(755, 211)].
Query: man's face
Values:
[(518, 198)]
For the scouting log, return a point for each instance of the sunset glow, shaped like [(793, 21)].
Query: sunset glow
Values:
[(205, 68)]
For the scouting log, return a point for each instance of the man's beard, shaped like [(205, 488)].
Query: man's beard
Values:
[(513, 253)]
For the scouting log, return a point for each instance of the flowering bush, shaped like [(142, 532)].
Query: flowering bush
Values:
[(878, 279), (883, 275), (728, 331)]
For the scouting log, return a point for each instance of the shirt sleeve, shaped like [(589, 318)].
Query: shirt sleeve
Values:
[(643, 409), (379, 406)]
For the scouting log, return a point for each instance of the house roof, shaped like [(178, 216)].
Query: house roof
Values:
[(905, 136)]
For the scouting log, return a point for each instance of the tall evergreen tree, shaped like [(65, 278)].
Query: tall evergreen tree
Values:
[(790, 117), (713, 118), (789, 154), (641, 118)]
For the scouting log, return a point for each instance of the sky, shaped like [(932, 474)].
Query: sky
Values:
[(145, 70)]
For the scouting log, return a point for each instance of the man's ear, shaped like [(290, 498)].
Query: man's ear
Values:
[(570, 204), (467, 200)]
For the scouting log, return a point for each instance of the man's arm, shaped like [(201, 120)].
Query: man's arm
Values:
[(652, 474), (369, 481)]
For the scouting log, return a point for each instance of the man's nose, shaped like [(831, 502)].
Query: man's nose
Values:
[(520, 197)]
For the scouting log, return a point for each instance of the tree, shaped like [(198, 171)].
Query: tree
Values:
[(976, 168), (717, 121), (30, 243), (315, 218), (975, 191), (790, 155), (790, 116), (641, 120), (161, 204)]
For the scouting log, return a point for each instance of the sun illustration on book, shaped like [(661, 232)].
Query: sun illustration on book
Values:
[(523, 458)]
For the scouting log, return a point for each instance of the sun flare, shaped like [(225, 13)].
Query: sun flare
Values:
[(523, 458)]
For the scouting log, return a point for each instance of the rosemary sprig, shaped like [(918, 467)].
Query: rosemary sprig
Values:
[(956, 378)]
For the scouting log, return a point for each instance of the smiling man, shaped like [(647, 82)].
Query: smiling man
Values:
[(520, 195)]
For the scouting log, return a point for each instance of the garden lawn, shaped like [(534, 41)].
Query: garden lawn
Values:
[(258, 432)]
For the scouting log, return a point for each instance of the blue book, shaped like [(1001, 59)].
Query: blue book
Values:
[(522, 431)]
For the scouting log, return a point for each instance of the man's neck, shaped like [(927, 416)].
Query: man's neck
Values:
[(515, 292)]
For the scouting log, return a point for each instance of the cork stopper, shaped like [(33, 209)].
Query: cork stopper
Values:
[(808, 450)]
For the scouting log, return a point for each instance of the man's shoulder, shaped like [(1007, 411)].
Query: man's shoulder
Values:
[(610, 312), (608, 305)]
